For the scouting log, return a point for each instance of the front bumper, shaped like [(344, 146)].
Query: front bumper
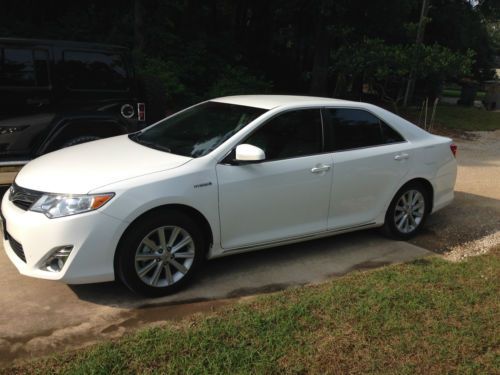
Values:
[(93, 235)]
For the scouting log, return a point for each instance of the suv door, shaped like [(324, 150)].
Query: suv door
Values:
[(369, 161), (25, 95), (286, 195), (94, 80)]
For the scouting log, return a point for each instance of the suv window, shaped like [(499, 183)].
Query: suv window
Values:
[(355, 128), (91, 70), (23, 67), (292, 134)]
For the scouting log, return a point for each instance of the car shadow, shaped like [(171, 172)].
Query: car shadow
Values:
[(238, 266), (468, 218)]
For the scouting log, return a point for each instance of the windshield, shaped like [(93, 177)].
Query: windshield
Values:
[(199, 130)]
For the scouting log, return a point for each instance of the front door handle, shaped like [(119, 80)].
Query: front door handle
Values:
[(320, 168), (401, 156)]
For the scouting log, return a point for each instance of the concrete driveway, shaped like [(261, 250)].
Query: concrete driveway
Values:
[(38, 316)]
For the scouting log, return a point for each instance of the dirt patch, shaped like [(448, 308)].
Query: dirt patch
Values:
[(88, 333), (271, 288)]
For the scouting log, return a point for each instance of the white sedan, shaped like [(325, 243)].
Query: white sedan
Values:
[(229, 175)]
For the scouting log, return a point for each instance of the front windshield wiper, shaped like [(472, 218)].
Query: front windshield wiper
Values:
[(156, 146)]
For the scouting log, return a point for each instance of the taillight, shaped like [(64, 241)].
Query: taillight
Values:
[(141, 111), (453, 148)]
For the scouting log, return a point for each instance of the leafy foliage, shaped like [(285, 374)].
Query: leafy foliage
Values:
[(218, 47), (386, 67), (237, 80)]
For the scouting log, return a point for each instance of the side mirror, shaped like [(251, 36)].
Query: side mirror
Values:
[(247, 153)]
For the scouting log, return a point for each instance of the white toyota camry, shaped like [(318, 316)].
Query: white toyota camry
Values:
[(228, 175)]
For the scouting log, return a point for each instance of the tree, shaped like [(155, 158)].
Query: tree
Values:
[(387, 68), (285, 46)]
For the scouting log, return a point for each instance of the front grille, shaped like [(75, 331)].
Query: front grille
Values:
[(23, 198), (17, 247)]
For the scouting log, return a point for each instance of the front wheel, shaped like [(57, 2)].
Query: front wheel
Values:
[(407, 212), (160, 254)]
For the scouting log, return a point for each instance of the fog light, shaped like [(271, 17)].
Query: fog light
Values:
[(56, 261)]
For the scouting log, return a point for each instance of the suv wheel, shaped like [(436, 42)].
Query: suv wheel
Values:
[(407, 212), (80, 140), (160, 253)]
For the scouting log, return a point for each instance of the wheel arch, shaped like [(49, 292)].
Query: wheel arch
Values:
[(80, 126), (188, 210), (428, 187)]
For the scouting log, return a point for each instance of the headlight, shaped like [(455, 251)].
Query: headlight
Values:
[(53, 205)]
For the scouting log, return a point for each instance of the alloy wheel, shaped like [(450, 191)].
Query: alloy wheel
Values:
[(164, 256), (409, 211)]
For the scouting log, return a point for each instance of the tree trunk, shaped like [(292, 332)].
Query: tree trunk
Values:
[(138, 25), (319, 74), (410, 88)]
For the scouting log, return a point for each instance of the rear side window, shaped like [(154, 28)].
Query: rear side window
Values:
[(23, 67), (90, 70), (347, 129), (292, 134)]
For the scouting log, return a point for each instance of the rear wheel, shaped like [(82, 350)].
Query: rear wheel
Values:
[(407, 212), (160, 254)]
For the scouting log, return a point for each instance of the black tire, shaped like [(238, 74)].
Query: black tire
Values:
[(154, 94), (130, 243), (80, 140), (391, 228)]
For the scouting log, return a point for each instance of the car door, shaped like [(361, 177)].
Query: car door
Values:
[(370, 159), (284, 196)]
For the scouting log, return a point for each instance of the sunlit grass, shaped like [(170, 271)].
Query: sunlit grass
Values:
[(458, 117)]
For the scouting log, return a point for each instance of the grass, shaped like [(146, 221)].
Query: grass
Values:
[(459, 118), (426, 317), (455, 93)]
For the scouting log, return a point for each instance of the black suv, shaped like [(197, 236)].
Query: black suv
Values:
[(55, 94)]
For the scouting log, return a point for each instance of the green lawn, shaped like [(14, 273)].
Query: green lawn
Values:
[(459, 118), (426, 317), (455, 93)]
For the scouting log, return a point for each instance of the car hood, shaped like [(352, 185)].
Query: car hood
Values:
[(82, 168)]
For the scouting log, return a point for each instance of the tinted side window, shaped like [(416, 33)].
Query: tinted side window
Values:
[(292, 134), (17, 68), (24, 67), (389, 134), (354, 128), (86, 70), (41, 59)]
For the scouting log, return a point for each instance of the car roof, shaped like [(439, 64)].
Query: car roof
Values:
[(273, 101), (406, 128)]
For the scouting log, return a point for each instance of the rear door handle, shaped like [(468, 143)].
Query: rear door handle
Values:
[(320, 168), (401, 156)]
